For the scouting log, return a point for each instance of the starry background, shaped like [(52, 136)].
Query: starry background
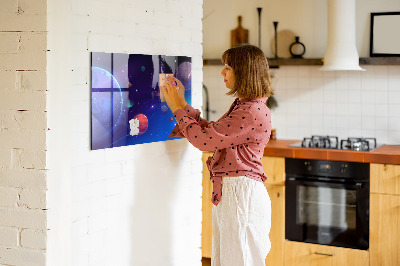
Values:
[(124, 87)]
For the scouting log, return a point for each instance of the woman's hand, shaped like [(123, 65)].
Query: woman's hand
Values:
[(181, 91), (172, 90)]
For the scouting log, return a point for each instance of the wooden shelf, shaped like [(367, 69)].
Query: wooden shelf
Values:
[(273, 63), (380, 61)]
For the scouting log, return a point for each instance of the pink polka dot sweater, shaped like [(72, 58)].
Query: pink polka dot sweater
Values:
[(238, 139)]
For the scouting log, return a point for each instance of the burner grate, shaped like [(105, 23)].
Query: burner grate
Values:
[(358, 144)]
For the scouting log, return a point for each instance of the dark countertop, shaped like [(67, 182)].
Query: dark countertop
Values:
[(389, 154)]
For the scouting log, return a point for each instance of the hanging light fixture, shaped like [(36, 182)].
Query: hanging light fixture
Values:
[(341, 51)]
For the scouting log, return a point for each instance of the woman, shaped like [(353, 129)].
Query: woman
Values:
[(242, 208)]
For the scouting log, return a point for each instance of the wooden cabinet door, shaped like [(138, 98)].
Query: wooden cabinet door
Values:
[(206, 226), (304, 254), (384, 237), (274, 168), (385, 178), (277, 233)]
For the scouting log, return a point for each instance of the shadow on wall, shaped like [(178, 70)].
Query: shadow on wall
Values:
[(154, 204)]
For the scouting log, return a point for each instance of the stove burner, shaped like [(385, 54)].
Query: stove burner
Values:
[(358, 144), (328, 142), (332, 142)]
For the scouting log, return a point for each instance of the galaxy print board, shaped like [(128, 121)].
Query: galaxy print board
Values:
[(127, 106)]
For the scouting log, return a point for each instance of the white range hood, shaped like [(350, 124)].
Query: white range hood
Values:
[(341, 51)]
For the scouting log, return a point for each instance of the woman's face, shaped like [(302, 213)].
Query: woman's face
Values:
[(229, 76)]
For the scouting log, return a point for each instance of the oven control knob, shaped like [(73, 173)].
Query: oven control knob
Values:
[(308, 166), (343, 168)]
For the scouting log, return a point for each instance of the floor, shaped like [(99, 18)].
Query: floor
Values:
[(206, 261)]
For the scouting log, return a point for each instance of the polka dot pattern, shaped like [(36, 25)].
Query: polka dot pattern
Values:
[(238, 139)]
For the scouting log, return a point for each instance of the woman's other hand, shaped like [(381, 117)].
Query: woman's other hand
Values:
[(172, 90)]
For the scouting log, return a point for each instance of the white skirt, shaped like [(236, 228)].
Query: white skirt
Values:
[(241, 223)]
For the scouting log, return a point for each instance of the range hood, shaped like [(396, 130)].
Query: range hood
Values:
[(341, 51)]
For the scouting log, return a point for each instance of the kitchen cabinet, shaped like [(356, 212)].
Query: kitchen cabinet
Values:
[(305, 254), (274, 168), (385, 215), (385, 178), (206, 225)]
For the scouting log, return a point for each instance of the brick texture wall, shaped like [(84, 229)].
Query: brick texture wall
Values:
[(135, 205), (60, 203), (23, 120)]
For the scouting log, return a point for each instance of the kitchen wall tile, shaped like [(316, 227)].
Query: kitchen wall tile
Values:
[(304, 109), (291, 71), (381, 97), (304, 72), (367, 110), (328, 74), (367, 133), (342, 133), (329, 93), (380, 84), (317, 95), (317, 108), (342, 96), (354, 80), (381, 123), (304, 82), (305, 95), (315, 72), (317, 120), (355, 96), (380, 71), (367, 123), (292, 82), (329, 122), (355, 122), (381, 136), (329, 109), (394, 97), (367, 82), (316, 82), (342, 109), (394, 123), (342, 80), (394, 137), (367, 96), (365, 99), (355, 132), (394, 83), (394, 110), (393, 71), (317, 131), (342, 122), (355, 109), (381, 110)]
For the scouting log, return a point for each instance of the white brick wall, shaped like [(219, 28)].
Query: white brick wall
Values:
[(135, 205), (23, 132)]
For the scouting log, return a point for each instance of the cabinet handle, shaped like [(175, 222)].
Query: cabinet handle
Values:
[(324, 254)]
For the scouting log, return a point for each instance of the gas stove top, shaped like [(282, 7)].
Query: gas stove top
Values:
[(332, 142)]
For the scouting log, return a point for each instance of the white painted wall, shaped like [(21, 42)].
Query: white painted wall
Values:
[(135, 205), (23, 133), (344, 103)]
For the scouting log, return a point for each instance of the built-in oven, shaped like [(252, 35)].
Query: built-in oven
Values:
[(327, 202)]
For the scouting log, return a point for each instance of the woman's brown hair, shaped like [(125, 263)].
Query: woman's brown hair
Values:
[(250, 66)]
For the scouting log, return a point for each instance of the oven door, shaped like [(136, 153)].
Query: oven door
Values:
[(327, 213)]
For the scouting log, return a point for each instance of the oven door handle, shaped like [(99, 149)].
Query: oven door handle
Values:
[(357, 185)]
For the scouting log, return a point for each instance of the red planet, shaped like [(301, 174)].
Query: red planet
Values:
[(143, 123)]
